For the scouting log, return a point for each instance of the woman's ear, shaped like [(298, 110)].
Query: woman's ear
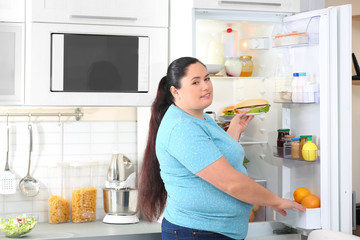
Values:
[(175, 92)]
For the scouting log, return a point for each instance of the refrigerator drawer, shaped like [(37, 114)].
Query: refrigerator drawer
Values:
[(307, 220)]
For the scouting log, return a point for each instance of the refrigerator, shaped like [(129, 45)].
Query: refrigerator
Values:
[(325, 55)]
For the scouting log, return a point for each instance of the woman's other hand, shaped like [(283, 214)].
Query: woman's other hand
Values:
[(239, 123), (288, 204)]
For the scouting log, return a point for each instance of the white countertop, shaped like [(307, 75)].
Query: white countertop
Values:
[(95, 230)]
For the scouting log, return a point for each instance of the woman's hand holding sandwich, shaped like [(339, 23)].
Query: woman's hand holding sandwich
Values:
[(239, 123)]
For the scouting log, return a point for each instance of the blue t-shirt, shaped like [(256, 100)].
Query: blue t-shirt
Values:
[(184, 146)]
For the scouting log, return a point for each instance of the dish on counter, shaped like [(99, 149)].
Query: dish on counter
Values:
[(18, 226)]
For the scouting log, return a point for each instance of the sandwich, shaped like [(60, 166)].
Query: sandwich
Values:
[(256, 105), (229, 111)]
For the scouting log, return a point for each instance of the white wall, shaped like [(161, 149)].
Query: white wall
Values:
[(89, 142)]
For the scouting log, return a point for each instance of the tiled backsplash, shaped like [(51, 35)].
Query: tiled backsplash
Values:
[(89, 143)]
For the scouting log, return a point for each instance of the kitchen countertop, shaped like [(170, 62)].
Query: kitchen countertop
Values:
[(95, 230)]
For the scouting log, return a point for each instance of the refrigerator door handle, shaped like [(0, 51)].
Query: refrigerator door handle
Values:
[(250, 3)]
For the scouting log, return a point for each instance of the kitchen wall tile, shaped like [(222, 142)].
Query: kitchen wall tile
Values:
[(77, 138), (103, 127), (127, 127), (127, 137), (77, 127), (111, 138), (75, 149), (83, 142), (18, 207)]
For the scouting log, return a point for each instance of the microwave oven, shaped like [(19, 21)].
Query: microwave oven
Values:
[(94, 65)]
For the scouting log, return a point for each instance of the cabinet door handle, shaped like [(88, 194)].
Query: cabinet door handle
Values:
[(104, 17), (250, 3)]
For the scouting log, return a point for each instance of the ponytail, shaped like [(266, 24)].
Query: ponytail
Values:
[(152, 194)]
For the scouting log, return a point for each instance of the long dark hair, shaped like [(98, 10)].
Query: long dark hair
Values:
[(152, 193)]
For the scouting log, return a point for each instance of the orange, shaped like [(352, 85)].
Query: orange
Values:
[(252, 216), (300, 193), (311, 201), (256, 207)]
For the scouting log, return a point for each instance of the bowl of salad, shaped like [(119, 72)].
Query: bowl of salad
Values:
[(19, 225)]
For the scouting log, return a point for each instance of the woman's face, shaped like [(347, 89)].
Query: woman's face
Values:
[(196, 92)]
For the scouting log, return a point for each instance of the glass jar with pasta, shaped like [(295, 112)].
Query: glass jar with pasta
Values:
[(83, 192), (58, 201)]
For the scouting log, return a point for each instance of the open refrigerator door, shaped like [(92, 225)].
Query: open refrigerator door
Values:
[(281, 44)]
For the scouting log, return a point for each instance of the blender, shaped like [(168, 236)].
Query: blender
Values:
[(120, 193)]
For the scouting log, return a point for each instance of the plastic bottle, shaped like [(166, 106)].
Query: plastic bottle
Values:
[(309, 150), (283, 79), (230, 41), (294, 88), (215, 51), (301, 85)]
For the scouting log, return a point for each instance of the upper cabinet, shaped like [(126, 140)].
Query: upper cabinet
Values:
[(152, 13), (255, 5), (12, 10)]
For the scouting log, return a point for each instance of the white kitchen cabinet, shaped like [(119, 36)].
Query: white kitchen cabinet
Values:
[(255, 5), (12, 10), (12, 63), (110, 12)]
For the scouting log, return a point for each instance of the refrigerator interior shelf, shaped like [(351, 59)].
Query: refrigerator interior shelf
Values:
[(252, 141), (296, 33), (285, 153), (310, 219)]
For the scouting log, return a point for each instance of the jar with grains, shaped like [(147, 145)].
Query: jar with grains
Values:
[(247, 66), (80, 185), (295, 148), (58, 201), (233, 66)]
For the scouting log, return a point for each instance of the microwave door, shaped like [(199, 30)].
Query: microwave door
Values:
[(99, 63)]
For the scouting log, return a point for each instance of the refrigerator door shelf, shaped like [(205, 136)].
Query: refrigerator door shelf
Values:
[(305, 220), (285, 153)]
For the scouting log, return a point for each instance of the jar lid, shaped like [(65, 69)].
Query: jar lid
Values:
[(290, 136), (295, 139), (232, 56), (246, 57), (305, 136), (283, 130)]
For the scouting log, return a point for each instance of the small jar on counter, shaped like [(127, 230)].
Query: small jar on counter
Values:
[(295, 148), (233, 66), (247, 66)]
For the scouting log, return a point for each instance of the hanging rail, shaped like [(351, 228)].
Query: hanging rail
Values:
[(77, 114)]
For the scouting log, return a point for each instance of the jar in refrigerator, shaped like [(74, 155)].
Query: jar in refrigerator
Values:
[(295, 148), (287, 145), (281, 141), (233, 66), (303, 140), (247, 66)]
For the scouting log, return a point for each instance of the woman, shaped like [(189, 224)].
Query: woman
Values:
[(202, 181)]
